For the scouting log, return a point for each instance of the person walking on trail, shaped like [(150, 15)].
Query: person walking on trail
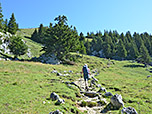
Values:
[(86, 73)]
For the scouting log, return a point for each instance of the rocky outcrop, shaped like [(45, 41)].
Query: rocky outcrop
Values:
[(48, 59), (5, 42), (116, 101)]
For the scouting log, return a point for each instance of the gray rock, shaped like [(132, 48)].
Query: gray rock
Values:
[(73, 83), (128, 110), (94, 79), (116, 101), (98, 85), (103, 89), (107, 94), (60, 101), (91, 94), (65, 74), (70, 71), (54, 96), (54, 71), (148, 76), (59, 74), (56, 112)]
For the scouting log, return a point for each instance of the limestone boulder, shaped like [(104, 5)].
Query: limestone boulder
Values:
[(116, 101), (54, 96)]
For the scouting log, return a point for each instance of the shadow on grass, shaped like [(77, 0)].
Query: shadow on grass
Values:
[(35, 59), (134, 66)]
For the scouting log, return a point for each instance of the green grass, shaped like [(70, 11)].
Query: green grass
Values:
[(26, 31), (131, 80), (24, 86)]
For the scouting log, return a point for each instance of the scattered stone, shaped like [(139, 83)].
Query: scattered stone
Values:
[(59, 74), (107, 94), (54, 71), (98, 85), (70, 71), (92, 82), (116, 101), (56, 112), (91, 94), (148, 76), (95, 71), (67, 82), (103, 89), (73, 83), (60, 101), (94, 79), (65, 74), (102, 102), (128, 110), (54, 96), (44, 102)]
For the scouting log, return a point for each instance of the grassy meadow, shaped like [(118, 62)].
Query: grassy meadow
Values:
[(25, 87)]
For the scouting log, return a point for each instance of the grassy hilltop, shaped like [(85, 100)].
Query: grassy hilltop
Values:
[(25, 87)]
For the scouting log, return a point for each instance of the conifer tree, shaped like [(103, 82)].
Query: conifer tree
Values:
[(60, 39), (6, 26), (133, 52), (144, 55), (82, 48), (138, 40), (121, 51), (17, 46), (1, 18), (107, 50), (82, 38), (88, 47), (12, 25), (34, 36), (40, 34), (99, 43)]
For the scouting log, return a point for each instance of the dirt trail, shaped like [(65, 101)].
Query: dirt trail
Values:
[(90, 110)]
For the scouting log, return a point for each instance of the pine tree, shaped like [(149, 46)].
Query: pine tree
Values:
[(17, 46), (1, 18), (121, 51), (6, 26), (133, 52), (88, 47), (12, 25), (144, 55), (99, 44), (61, 39), (107, 50), (34, 36), (138, 40), (82, 38), (82, 48)]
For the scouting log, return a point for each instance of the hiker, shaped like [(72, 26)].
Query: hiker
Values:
[(86, 73)]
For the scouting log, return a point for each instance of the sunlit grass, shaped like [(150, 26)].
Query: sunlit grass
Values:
[(25, 85)]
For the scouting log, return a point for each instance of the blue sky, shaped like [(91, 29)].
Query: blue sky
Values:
[(86, 15)]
